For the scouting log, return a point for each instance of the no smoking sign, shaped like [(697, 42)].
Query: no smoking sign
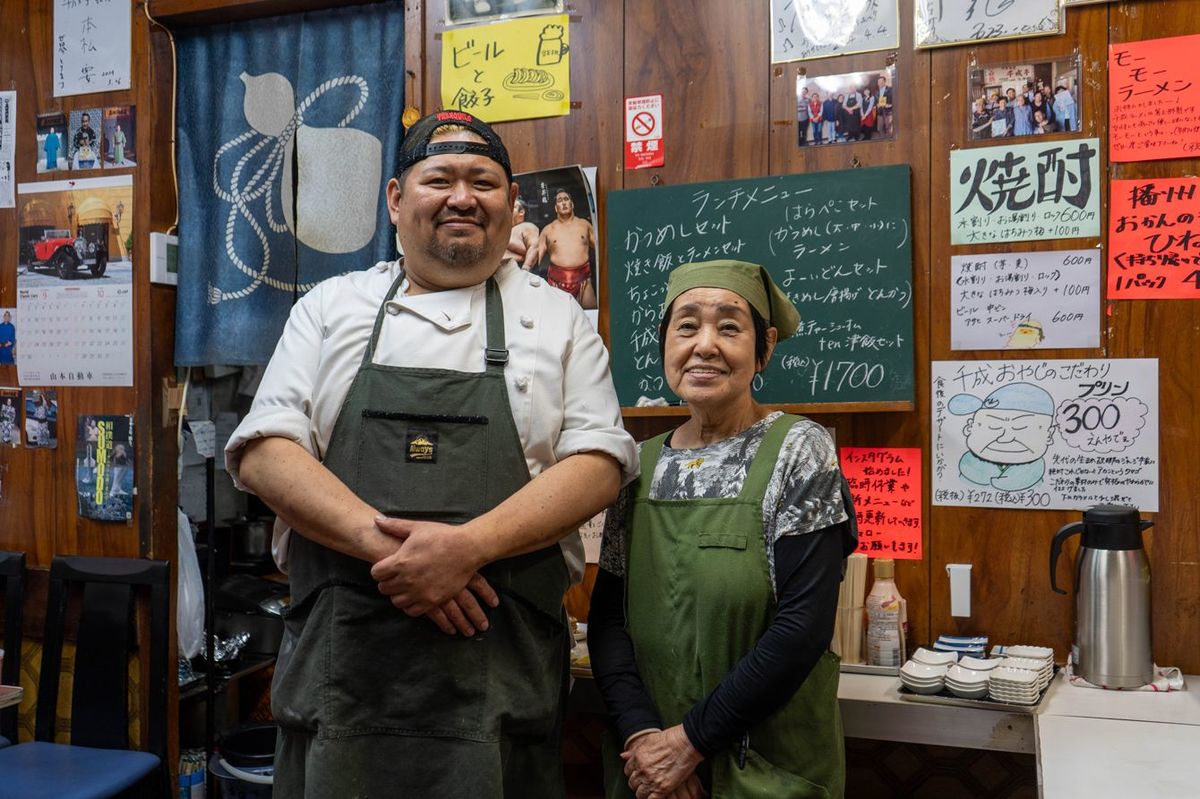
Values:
[(643, 132)]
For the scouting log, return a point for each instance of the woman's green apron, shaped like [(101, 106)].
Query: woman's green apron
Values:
[(375, 703), (698, 596)]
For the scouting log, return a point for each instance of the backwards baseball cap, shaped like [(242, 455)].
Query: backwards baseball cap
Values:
[(417, 147), (749, 281)]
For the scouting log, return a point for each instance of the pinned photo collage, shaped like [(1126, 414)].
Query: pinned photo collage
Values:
[(87, 139)]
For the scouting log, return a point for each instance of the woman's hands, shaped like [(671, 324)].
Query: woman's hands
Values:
[(662, 765)]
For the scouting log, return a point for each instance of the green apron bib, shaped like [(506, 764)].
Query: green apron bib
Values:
[(698, 596), (373, 703)]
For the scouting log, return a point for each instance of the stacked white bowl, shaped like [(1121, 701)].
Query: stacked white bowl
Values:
[(1013, 685), (967, 683), (923, 678), (1044, 669)]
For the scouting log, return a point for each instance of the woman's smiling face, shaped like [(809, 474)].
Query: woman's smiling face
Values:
[(708, 354)]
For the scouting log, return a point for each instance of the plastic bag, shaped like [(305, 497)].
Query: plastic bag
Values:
[(189, 614)]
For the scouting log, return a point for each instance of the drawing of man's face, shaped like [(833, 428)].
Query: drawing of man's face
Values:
[(1004, 436)]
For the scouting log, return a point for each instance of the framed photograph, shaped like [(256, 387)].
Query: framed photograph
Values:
[(554, 231), (850, 107), (1024, 98), (463, 11), (10, 417), (51, 142), (938, 23), (84, 149), (41, 418), (119, 137)]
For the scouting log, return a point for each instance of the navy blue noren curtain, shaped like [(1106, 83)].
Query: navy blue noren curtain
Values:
[(287, 130)]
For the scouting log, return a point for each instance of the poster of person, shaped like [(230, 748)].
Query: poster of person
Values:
[(554, 231), (41, 418), (1024, 98), (51, 142), (1062, 434), (460, 11), (851, 107), (8, 336), (118, 141), (84, 132), (104, 461), (10, 417)]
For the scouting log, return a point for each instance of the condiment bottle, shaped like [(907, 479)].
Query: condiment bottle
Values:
[(885, 617)]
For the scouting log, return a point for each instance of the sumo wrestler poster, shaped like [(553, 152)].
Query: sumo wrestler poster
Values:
[(1045, 434)]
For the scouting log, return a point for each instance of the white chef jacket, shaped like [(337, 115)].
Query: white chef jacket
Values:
[(559, 386)]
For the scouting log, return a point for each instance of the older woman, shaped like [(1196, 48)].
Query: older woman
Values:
[(719, 569)]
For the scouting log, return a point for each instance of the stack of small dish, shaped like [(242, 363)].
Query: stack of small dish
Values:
[(967, 683), (1012, 685), (923, 678), (1044, 669), (962, 644)]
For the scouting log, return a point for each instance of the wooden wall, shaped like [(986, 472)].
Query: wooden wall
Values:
[(729, 113)]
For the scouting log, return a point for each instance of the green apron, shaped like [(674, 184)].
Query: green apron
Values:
[(373, 703), (698, 597)]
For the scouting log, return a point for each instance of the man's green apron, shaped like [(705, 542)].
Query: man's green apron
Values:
[(373, 703), (698, 596)]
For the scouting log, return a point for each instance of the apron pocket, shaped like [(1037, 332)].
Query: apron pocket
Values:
[(389, 673), (423, 466), (727, 540)]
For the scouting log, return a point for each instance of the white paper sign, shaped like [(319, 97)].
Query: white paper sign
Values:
[(1045, 434), (8, 149), (944, 22), (204, 433), (91, 46), (804, 29), (591, 532), (1025, 300)]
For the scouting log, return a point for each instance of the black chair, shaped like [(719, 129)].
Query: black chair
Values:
[(12, 582), (97, 762)]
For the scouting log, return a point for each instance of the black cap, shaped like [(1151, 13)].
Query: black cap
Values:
[(416, 146)]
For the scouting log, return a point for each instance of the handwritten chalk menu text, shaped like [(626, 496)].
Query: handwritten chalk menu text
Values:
[(91, 46), (1025, 192), (801, 31), (886, 486), (1154, 239), (1045, 434), (838, 243), (1154, 99), (1025, 300), (938, 23)]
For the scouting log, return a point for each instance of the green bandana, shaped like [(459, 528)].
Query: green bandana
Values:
[(749, 281)]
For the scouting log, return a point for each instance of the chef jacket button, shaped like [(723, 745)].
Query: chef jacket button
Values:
[(526, 321), (535, 281), (393, 308), (522, 383)]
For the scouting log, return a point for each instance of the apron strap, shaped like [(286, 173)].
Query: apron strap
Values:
[(650, 452), (495, 347), (369, 355), (758, 476)]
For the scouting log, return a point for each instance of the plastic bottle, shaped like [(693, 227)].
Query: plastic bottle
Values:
[(885, 617)]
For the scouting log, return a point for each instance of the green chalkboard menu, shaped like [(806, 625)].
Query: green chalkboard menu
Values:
[(839, 243)]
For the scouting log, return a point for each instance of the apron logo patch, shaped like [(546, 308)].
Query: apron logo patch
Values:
[(422, 447)]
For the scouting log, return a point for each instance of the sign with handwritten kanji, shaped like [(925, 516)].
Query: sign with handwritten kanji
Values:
[(801, 31), (1154, 239), (1154, 99), (91, 46), (1025, 433), (8, 149), (1025, 192), (643, 131), (519, 69), (886, 485)]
